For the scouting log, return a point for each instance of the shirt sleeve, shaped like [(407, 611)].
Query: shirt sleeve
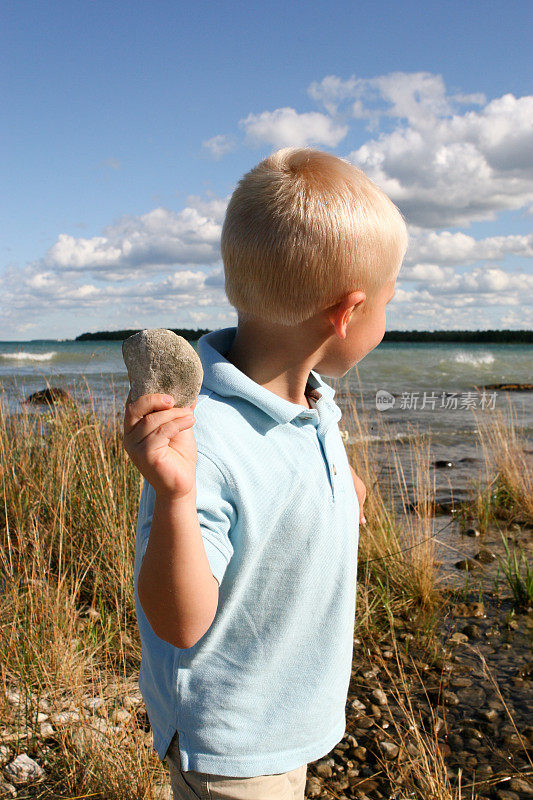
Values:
[(216, 514)]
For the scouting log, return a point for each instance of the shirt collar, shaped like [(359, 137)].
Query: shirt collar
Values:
[(223, 377)]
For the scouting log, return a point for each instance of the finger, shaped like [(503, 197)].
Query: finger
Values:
[(155, 420), (163, 434), (137, 409), (174, 428)]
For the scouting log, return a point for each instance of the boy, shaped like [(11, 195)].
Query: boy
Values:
[(246, 551)]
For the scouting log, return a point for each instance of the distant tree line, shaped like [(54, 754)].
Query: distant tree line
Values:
[(187, 333), (518, 337)]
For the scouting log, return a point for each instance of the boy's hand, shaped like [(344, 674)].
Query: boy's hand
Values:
[(360, 490), (159, 440)]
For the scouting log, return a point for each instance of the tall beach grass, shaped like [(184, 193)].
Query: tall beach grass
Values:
[(69, 645)]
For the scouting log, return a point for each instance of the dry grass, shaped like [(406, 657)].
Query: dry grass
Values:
[(68, 505), (398, 569), (69, 498), (504, 489)]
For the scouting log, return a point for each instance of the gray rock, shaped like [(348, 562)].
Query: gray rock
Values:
[(46, 730), (323, 770), (467, 563), (389, 749), (449, 698), (313, 787), (160, 361), (64, 717), (458, 638), (485, 556), (23, 769), (380, 697), (7, 789)]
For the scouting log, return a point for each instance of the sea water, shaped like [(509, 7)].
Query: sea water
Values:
[(402, 389)]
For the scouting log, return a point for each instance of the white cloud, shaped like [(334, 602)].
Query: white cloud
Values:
[(284, 127), (458, 248), (413, 96), (160, 237), (443, 165), (219, 145)]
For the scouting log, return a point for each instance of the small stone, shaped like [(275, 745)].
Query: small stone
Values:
[(489, 714), (64, 717), (360, 754), (438, 724), (472, 631), (467, 564), (44, 705), (485, 556), (23, 769), (313, 787), (132, 700), (93, 703), (323, 770), (159, 360), (371, 673), (380, 697), (473, 696), (5, 753), (357, 705), (450, 698), (7, 788), (13, 697), (476, 609), (458, 638), (472, 532), (523, 787), (390, 750), (504, 795), (484, 771), (461, 683), (46, 730), (120, 716), (472, 732)]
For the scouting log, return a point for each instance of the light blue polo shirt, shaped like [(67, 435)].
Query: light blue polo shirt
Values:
[(264, 690)]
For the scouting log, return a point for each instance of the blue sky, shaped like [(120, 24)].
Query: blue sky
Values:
[(127, 125)]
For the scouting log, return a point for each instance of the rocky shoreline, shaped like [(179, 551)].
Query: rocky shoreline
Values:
[(472, 697)]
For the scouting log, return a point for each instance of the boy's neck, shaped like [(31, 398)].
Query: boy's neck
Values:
[(277, 357)]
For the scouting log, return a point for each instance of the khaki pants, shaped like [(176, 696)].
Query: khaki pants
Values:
[(193, 785)]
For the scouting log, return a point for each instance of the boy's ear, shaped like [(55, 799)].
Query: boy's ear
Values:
[(339, 314)]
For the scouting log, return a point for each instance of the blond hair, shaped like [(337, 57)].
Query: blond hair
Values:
[(302, 229)]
